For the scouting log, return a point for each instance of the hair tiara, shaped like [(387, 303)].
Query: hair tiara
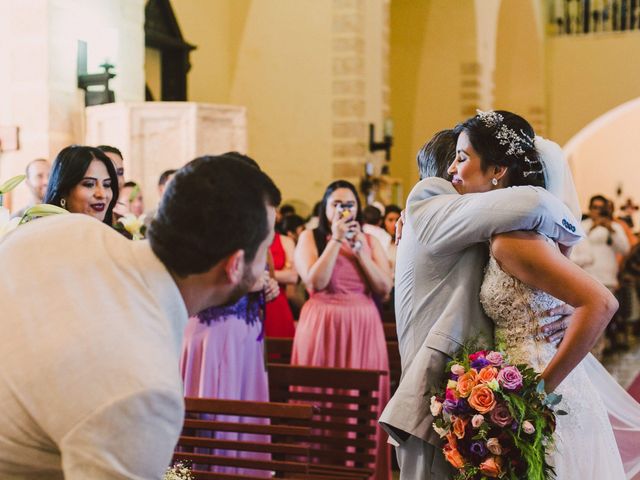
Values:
[(508, 136)]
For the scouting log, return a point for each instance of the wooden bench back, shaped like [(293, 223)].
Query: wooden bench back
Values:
[(346, 413), (284, 442)]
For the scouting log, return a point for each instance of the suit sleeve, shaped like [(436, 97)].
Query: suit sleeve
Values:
[(449, 223), (130, 438)]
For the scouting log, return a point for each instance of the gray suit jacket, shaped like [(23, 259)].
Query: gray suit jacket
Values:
[(439, 270)]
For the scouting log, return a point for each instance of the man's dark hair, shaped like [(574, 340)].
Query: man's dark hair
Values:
[(437, 154), (69, 169), (291, 223), (287, 209), (214, 206), (164, 176), (110, 149), (596, 198), (371, 215), (392, 209)]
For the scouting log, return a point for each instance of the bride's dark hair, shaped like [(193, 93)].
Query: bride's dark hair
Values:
[(487, 130)]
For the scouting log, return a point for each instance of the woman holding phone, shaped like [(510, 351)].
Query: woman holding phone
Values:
[(339, 325)]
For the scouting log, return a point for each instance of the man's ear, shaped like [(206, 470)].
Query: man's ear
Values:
[(499, 172), (234, 266)]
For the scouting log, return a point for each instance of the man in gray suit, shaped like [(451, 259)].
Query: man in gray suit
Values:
[(439, 270)]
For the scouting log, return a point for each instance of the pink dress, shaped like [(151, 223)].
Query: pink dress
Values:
[(340, 326), (223, 357)]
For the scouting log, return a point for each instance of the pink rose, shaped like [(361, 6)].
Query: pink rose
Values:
[(477, 420), (501, 415), (510, 378), (527, 427), (477, 355), (493, 445), (457, 369), (495, 358)]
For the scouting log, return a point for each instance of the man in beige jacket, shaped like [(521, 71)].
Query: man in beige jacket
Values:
[(91, 323)]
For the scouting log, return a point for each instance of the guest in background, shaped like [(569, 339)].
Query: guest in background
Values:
[(83, 180), (278, 315), (314, 219), (340, 325), (116, 157), (223, 349), (391, 217), (37, 172), (292, 226), (372, 219), (597, 254), (163, 180), (131, 198)]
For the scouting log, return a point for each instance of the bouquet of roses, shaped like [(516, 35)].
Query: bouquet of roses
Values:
[(495, 418)]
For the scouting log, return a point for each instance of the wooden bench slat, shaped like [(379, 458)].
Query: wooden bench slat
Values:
[(243, 427), (223, 461), (335, 398), (246, 409), (266, 447)]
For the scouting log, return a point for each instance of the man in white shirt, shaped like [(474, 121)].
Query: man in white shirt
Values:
[(92, 323), (605, 238)]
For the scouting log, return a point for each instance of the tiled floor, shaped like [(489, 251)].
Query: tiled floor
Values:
[(625, 366)]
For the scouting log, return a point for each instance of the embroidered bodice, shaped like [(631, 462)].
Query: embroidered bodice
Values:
[(518, 311)]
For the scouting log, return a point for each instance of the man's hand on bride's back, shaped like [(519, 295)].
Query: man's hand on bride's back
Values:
[(554, 332)]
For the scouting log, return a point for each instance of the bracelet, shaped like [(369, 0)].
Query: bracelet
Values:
[(336, 240)]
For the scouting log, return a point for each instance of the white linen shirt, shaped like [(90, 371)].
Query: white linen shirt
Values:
[(90, 333)]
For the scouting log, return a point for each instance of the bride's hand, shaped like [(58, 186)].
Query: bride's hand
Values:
[(554, 332)]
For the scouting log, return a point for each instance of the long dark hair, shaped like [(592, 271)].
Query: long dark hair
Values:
[(323, 230), (69, 169), (524, 168)]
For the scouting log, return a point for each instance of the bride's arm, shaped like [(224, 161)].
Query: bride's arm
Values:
[(531, 259)]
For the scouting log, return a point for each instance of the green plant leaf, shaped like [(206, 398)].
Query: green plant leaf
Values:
[(540, 387), (561, 412), (11, 183)]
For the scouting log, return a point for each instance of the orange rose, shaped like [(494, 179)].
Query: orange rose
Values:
[(487, 374), (451, 439), (466, 382), (453, 456), (491, 467), (482, 399), (458, 426)]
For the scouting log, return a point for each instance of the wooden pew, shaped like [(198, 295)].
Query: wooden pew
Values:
[(286, 438), (345, 418), (278, 350)]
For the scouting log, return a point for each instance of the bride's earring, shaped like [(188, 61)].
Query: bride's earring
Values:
[(494, 182), (63, 203)]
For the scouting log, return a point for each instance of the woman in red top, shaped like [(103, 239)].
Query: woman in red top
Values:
[(278, 320)]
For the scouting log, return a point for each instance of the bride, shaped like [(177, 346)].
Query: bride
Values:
[(527, 275)]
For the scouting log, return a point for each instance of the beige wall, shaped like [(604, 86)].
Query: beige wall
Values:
[(434, 75), (587, 76)]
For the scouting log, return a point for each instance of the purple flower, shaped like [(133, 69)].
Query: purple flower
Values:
[(501, 416), (479, 363), (450, 406), (478, 448), (510, 378)]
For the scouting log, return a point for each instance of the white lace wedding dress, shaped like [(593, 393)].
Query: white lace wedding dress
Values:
[(585, 445)]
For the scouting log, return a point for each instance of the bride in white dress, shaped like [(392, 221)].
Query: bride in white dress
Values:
[(526, 276)]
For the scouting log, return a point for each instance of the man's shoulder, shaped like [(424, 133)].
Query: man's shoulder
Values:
[(430, 187)]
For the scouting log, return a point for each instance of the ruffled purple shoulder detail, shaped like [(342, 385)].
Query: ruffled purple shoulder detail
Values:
[(249, 308)]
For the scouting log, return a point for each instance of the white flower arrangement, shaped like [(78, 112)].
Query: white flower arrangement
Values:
[(178, 471), (135, 226)]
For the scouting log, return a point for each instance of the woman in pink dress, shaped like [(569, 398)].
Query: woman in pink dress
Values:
[(340, 325)]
